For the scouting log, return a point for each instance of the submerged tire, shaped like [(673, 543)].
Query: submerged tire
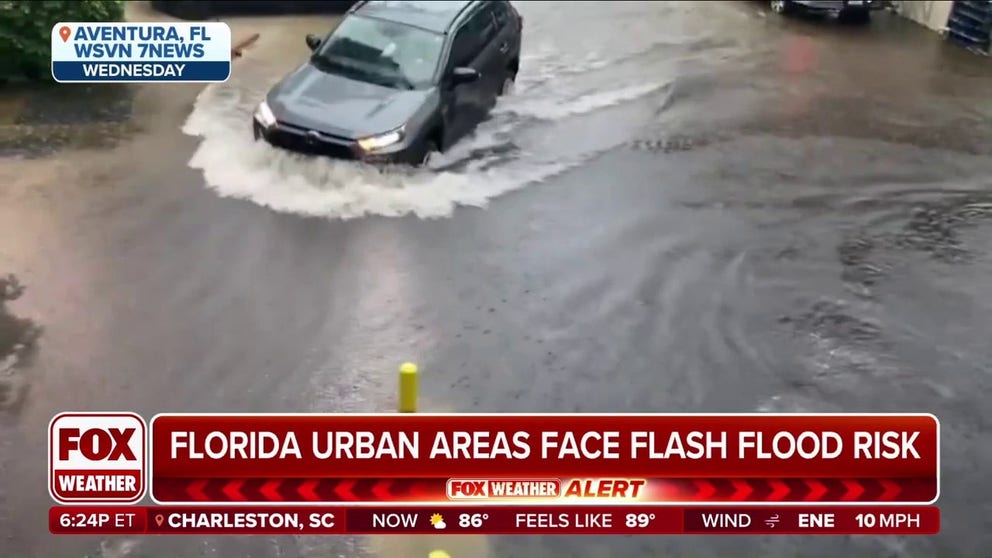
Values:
[(509, 83), (430, 149)]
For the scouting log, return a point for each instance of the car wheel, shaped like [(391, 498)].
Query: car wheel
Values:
[(782, 7), (430, 149), (509, 83)]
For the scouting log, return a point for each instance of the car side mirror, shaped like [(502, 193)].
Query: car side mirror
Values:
[(313, 41), (464, 74)]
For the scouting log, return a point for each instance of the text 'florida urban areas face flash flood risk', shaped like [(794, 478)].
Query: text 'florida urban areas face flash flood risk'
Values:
[(490, 279)]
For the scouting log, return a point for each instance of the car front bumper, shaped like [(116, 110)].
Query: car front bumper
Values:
[(304, 141)]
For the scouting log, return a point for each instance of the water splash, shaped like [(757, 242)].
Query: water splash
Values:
[(504, 154), (532, 135)]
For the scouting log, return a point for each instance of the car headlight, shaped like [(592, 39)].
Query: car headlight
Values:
[(372, 143), (264, 115)]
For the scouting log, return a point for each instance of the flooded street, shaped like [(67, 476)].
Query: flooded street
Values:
[(683, 207)]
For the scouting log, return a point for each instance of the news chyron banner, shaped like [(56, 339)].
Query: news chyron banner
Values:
[(496, 473), (141, 52)]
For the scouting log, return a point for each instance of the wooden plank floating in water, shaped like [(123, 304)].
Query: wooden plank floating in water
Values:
[(236, 51)]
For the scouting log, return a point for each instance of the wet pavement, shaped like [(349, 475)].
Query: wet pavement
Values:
[(683, 207)]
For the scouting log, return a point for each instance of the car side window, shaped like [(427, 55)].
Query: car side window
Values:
[(500, 13), (482, 24), (462, 47), (471, 38)]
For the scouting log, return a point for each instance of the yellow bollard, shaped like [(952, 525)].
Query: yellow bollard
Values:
[(408, 388), (438, 554)]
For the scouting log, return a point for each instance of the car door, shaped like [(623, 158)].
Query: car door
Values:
[(467, 103), (506, 38), (491, 58)]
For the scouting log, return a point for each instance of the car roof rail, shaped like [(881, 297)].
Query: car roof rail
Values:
[(461, 13), (357, 5)]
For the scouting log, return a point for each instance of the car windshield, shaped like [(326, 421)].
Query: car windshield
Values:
[(381, 52)]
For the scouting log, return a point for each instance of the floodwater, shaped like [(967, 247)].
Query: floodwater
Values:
[(684, 207)]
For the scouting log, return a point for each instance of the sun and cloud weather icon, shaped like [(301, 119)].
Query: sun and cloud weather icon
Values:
[(438, 522)]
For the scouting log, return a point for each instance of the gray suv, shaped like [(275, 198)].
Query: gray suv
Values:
[(395, 81)]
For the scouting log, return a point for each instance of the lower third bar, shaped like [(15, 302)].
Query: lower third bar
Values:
[(493, 520)]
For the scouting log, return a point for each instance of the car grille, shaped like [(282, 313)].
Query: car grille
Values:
[(295, 139)]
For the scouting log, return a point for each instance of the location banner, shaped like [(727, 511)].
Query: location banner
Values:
[(544, 458), (132, 52), (493, 520)]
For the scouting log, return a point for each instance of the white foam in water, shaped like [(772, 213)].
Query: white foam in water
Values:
[(517, 147), (549, 108), (236, 166)]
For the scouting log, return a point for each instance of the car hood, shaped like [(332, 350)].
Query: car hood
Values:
[(336, 105)]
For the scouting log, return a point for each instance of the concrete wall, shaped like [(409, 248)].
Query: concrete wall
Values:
[(930, 13)]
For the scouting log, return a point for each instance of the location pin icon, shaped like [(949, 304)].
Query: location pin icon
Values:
[(64, 32), (159, 519)]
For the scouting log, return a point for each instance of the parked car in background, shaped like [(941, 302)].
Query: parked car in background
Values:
[(205, 9), (395, 81), (854, 11)]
